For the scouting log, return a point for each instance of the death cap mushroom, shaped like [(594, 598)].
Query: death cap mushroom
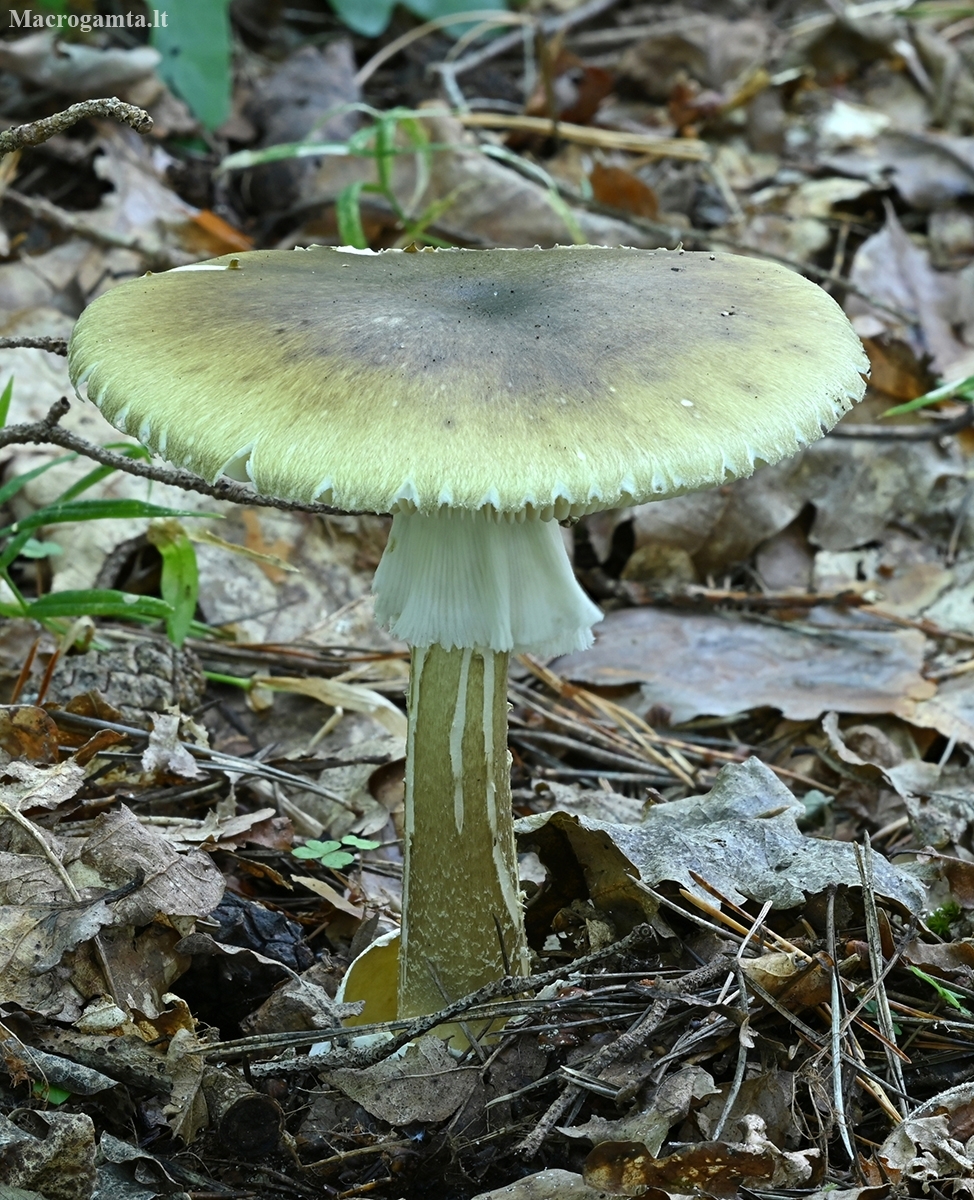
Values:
[(472, 394), (476, 395), (549, 383)]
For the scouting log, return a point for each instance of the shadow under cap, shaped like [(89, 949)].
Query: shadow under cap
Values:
[(562, 380)]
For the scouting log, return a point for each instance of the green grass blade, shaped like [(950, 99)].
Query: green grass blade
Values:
[(95, 602), (83, 484), (13, 486), (93, 510), (960, 389), (349, 215), (5, 398)]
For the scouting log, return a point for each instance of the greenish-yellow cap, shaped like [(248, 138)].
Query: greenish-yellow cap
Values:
[(559, 381)]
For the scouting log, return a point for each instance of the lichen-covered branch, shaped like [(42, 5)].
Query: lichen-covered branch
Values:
[(36, 132), (53, 345)]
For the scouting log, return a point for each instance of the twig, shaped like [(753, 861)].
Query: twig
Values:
[(158, 257), (691, 149), (836, 1031), (744, 1039), (52, 344), (501, 45), (884, 1018), (865, 1076), (492, 16), (960, 520), (527, 736), (624, 1045), (357, 1152), (35, 132), (48, 430), (367, 1056), (907, 433), (216, 760)]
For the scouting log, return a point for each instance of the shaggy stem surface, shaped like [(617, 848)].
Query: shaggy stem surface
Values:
[(460, 897)]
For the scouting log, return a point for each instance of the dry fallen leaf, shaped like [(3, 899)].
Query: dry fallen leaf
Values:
[(424, 1084), (716, 665), (741, 838)]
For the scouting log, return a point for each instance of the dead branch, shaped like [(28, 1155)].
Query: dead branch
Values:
[(415, 1028), (907, 433), (48, 431), (52, 344), (35, 132)]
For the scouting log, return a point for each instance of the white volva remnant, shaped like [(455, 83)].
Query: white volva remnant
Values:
[(459, 578), (456, 738)]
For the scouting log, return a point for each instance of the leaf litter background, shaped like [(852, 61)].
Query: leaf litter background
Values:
[(745, 815)]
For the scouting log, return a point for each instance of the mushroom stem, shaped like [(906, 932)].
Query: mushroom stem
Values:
[(462, 920)]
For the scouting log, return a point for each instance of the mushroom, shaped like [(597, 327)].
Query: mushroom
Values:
[(481, 397)]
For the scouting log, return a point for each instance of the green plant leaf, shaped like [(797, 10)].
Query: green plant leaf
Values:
[(50, 1093), (32, 548), (367, 17), (337, 859), (329, 854), (945, 994), (315, 849), (93, 510), (180, 576), (429, 10), (195, 49), (359, 843), (371, 17)]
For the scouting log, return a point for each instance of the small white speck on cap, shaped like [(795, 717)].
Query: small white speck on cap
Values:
[(580, 455), (687, 403)]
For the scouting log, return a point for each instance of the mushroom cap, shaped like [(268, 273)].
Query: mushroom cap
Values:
[(556, 382)]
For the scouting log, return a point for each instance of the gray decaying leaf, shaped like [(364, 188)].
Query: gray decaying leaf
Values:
[(164, 755), (119, 849), (75, 69), (301, 1002), (546, 1185), (651, 1125), (741, 837), (53, 1069), (895, 270), (128, 1173), (715, 665), (28, 786), (52, 1152), (934, 1143), (425, 1084)]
